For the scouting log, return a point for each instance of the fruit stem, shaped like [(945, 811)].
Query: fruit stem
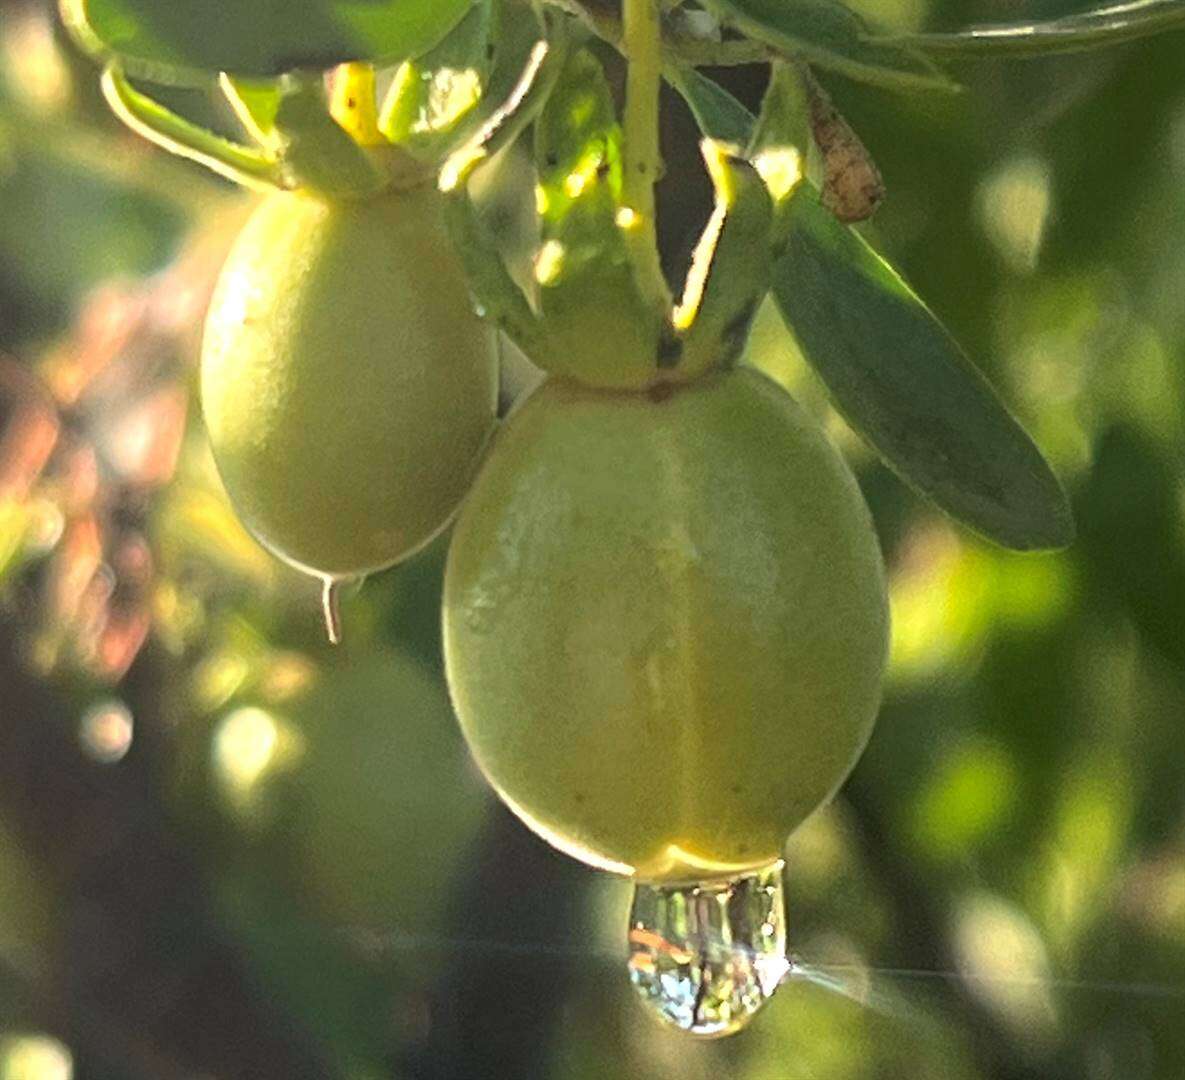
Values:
[(642, 32)]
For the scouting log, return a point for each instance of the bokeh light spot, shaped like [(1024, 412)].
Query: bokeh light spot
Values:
[(106, 732), (34, 1057)]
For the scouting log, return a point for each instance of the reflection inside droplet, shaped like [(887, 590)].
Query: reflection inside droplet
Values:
[(706, 957)]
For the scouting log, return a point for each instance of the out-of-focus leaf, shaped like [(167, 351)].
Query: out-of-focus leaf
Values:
[(336, 828), (1093, 29), (26, 907), (899, 378), (66, 226), (834, 37), (1131, 532), (191, 40)]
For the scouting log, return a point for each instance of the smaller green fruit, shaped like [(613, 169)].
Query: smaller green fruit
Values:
[(348, 388)]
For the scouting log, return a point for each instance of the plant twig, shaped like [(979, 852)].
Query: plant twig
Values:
[(642, 26), (603, 21), (643, 37)]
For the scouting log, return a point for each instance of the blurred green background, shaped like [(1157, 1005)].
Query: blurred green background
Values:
[(227, 850)]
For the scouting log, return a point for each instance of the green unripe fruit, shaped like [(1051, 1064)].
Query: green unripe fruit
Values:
[(665, 623), (385, 806), (353, 803), (347, 386)]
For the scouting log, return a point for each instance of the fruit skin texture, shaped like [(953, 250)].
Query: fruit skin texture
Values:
[(347, 386), (665, 623)]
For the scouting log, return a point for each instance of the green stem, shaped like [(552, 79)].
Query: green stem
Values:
[(676, 48), (642, 28), (643, 39)]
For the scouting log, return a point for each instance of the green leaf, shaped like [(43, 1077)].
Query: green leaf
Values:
[(584, 267), (1086, 30), (1131, 533), (719, 115), (899, 379), (432, 96), (833, 37), (523, 77), (785, 112), (781, 143), (255, 102), (191, 40), (520, 89), (730, 269), (243, 164)]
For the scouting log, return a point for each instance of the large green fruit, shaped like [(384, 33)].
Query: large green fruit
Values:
[(347, 386), (665, 623)]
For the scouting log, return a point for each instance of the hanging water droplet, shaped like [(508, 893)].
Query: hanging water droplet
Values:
[(707, 957), (331, 608)]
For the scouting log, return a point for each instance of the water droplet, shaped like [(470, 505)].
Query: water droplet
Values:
[(706, 957), (331, 607)]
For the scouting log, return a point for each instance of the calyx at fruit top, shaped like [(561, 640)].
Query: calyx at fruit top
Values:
[(337, 140), (591, 317)]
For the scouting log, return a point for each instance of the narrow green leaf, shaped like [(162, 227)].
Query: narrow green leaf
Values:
[(526, 68), (434, 95), (719, 115), (730, 269), (243, 164), (781, 144), (899, 379), (521, 91), (785, 112), (189, 41), (255, 102), (1094, 29), (831, 36)]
